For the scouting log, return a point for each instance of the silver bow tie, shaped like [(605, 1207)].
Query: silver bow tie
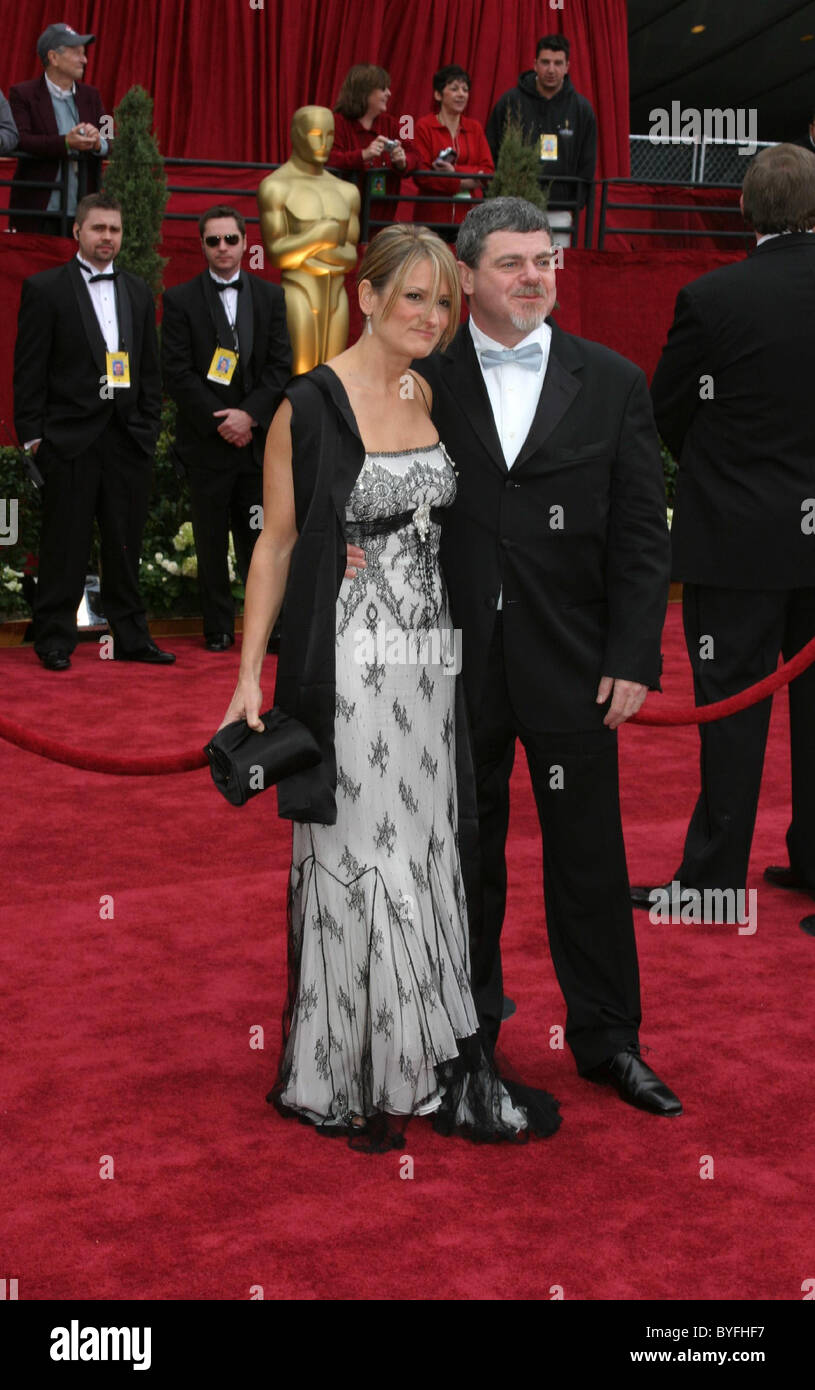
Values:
[(529, 357)]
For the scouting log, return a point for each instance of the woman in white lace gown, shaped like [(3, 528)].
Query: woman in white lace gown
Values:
[(380, 1021)]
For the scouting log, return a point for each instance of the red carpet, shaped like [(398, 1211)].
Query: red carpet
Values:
[(130, 1037)]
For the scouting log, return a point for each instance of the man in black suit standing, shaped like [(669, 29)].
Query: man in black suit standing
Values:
[(57, 115), (732, 397), (93, 430), (556, 559), (226, 357)]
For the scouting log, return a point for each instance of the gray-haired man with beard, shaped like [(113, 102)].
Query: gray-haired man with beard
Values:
[(556, 558)]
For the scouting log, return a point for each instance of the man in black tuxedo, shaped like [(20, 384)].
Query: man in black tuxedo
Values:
[(224, 406), (57, 115), (556, 559), (732, 396), (93, 438)]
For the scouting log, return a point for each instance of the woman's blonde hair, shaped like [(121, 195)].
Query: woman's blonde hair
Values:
[(358, 83), (392, 254)]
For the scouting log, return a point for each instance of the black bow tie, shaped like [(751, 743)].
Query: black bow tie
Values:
[(105, 275), (221, 287)]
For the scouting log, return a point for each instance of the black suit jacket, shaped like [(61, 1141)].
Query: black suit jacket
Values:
[(194, 323), (574, 534), (33, 113), (745, 436), (59, 358)]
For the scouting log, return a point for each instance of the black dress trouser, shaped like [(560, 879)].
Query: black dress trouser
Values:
[(585, 878), (110, 481), (222, 499), (734, 639)]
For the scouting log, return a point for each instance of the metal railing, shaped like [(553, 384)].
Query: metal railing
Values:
[(60, 216), (373, 197), (700, 209), (376, 202)]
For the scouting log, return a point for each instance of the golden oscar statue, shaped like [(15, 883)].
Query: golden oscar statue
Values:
[(310, 225)]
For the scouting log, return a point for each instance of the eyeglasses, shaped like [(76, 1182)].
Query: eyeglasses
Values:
[(231, 239)]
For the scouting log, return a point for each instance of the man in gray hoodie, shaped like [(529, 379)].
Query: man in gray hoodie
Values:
[(556, 118)]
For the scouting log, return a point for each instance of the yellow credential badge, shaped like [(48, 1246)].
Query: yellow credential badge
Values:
[(117, 365), (222, 367)]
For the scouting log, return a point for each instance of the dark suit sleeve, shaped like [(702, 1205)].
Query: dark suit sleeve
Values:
[(32, 353), (264, 398), (638, 563), (182, 381), (8, 130), (150, 370), (675, 388), (30, 141)]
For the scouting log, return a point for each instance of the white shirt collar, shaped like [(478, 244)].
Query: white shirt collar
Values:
[(92, 269), (219, 279), (770, 236), (59, 93), (539, 335)]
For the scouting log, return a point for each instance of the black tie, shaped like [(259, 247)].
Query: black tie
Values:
[(105, 275), (234, 285)]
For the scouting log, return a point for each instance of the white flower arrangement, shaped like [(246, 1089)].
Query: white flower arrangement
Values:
[(11, 580)]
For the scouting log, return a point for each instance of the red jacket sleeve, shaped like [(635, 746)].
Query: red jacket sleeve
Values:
[(429, 139), (347, 151)]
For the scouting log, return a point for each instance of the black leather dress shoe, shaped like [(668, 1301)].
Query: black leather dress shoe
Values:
[(150, 654), (807, 924), (219, 642), (784, 877), (637, 1083), (56, 660), (641, 897)]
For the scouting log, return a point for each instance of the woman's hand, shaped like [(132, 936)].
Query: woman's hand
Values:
[(245, 704), (374, 150)]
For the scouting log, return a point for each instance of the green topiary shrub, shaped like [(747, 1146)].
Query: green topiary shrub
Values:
[(135, 175)]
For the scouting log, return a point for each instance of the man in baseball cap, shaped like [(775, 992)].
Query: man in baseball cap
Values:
[(58, 116), (61, 36)]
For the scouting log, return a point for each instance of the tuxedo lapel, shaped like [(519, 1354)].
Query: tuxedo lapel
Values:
[(45, 107), (124, 309), (246, 328), (90, 323), (560, 386), (465, 384), (215, 312)]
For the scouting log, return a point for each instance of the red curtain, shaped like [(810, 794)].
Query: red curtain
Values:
[(227, 76)]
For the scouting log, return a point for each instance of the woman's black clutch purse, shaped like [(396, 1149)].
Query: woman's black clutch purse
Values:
[(244, 762)]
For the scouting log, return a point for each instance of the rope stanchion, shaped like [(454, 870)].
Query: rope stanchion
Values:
[(93, 761), (706, 714), (194, 760)]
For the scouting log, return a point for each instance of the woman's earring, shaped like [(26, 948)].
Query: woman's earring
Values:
[(370, 324)]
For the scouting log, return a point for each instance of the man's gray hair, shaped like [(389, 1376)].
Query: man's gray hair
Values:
[(497, 215)]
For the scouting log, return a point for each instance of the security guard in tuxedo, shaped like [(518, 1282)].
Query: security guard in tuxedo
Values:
[(226, 357)]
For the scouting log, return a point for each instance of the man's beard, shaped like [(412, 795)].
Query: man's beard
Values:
[(534, 315)]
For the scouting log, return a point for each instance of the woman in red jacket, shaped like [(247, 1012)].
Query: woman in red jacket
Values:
[(365, 136), (450, 130)]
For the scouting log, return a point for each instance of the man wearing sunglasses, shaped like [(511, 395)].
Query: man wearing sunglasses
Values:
[(226, 358)]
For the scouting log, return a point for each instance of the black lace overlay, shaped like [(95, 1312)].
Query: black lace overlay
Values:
[(380, 1022)]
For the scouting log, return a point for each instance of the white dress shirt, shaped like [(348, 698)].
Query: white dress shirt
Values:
[(513, 390), (230, 301), (103, 299)]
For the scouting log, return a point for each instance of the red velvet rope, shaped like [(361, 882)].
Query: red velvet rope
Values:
[(193, 760), (92, 761), (705, 714)]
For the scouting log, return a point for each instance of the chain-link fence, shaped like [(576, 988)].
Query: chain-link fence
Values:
[(659, 159)]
